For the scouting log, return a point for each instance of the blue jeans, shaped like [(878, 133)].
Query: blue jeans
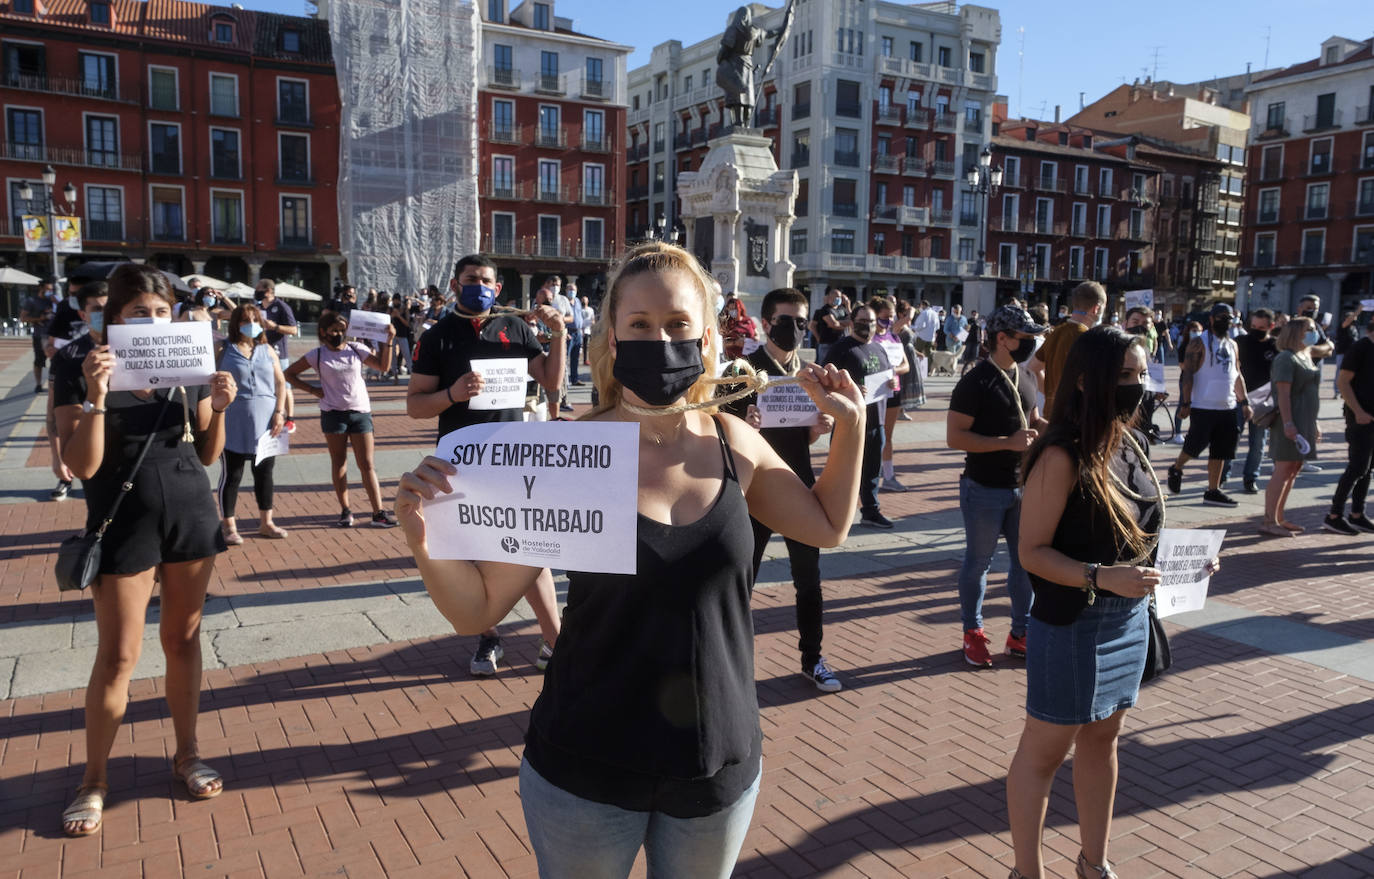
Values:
[(1255, 454), (574, 354), (574, 838), (990, 513)]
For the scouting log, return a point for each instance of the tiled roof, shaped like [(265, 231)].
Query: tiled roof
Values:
[(1037, 146), (1316, 63), (183, 21)]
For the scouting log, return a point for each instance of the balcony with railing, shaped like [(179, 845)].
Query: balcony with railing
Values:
[(849, 109), (801, 110), (1312, 212), (596, 89), (553, 138), (766, 117), (1364, 162), (1011, 224), (889, 115), (596, 143), (845, 209), (943, 168), (73, 156), (920, 118), (1013, 181), (503, 77), (658, 145), (549, 84), (1364, 115), (504, 190), (1082, 187), (1107, 192), (658, 185), (699, 135), (682, 140), (847, 158), (1363, 207), (550, 194), (1049, 184), (103, 230), (943, 217), (892, 65), (885, 163), (595, 196), (637, 153), (968, 218), (1045, 227), (1322, 121), (72, 86), (946, 121), (801, 157), (1265, 216), (512, 134), (885, 213), (914, 166), (1263, 130), (973, 125), (636, 193), (1078, 230), (913, 216)]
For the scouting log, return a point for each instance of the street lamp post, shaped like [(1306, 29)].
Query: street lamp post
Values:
[(51, 208), (983, 178)]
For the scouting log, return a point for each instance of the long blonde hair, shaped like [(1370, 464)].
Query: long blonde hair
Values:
[(652, 257), (1293, 336)]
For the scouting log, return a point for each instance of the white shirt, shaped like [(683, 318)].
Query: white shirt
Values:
[(927, 325), (564, 307), (1214, 383), (588, 318)]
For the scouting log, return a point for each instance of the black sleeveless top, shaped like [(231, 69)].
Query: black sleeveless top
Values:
[(1085, 534), (649, 702)]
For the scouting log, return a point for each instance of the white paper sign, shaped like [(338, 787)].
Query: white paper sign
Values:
[(270, 446), (160, 355), (878, 386), (1182, 559), (787, 405), (1367, 305), (1154, 378), (504, 386), (895, 353), (1143, 298), (368, 324), (548, 494)]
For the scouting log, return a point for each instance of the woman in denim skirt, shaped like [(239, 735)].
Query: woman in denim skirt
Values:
[(1090, 517)]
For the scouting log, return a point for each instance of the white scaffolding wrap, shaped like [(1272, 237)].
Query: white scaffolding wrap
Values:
[(407, 72)]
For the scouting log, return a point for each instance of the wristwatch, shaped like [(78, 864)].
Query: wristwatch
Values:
[(88, 408)]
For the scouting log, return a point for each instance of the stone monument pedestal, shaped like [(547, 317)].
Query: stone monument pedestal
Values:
[(738, 212)]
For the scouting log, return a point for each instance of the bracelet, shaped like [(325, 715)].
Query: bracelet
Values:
[(217, 411), (448, 391), (557, 334), (1090, 572)]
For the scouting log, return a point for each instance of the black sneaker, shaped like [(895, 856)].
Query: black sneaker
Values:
[(1360, 522), (1175, 480), (1337, 525), (486, 661), (1250, 487), (346, 519), (1217, 498), (875, 519), (384, 519), (824, 679), (60, 493)]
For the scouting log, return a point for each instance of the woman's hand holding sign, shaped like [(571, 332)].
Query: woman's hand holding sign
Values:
[(97, 367), (423, 483), (833, 392)]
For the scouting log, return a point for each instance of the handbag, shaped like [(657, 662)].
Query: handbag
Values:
[(1265, 413), (78, 557), (1158, 656)]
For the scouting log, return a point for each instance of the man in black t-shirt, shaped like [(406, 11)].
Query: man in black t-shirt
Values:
[(444, 380), (830, 322), (67, 390), (858, 355), (36, 312), (1257, 350), (784, 318), (1356, 381), (993, 418)]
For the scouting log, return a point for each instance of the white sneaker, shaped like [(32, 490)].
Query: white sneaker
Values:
[(1309, 467), (1177, 440), (486, 661), (891, 484), (824, 678)]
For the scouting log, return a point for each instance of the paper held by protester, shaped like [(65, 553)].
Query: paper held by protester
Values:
[(504, 380), (161, 355), (370, 325), (878, 386), (551, 494), (1154, 378), (895, 353), (787, 404), (1183, 557), (271, 446), (1139, 299)]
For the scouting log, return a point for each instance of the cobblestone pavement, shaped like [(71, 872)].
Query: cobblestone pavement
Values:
[(354, 743)]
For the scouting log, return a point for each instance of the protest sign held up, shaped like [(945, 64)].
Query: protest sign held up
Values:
[(1182, 559), (371, 325), (503, 383), (786, 404), (160, 355), (562, 495)]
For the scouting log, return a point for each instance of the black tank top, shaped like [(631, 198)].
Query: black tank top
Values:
[(1085, 534), (649, 703)]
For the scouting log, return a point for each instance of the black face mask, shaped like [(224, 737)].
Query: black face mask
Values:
[(1137, 331), (1128, 399), (1257, 334), (1023, 351), (334, 340), (658, 372), (786, 335), (1309, 312), (1221, 326), (863, 332)]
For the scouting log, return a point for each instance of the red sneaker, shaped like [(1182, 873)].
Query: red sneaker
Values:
[(976, 651), (1016, 647)]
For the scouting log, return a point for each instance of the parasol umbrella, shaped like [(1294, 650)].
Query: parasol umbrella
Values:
[(99, 271), (239, 290), (207, 281), (291, 291), (11, 275)]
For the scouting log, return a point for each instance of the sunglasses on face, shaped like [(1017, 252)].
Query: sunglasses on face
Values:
[(782, 319)]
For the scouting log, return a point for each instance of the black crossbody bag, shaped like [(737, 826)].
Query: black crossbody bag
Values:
[(78, 558)]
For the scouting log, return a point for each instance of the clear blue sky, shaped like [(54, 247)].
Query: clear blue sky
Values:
[(1070, 47)]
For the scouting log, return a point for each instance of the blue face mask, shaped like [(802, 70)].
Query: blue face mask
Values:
[(1312, 338), (251, 330), (209, 300), (96, 321), (476, 298)]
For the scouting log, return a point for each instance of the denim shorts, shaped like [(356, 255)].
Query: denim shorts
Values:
[(345, 421), (1090, 669)]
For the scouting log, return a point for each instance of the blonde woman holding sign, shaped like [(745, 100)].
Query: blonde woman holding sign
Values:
[(166, 530), (646, 733)]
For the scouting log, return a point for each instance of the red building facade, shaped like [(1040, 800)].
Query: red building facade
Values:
[(199, 138)]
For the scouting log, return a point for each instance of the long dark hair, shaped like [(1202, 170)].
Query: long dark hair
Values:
[(1084, 418), (243, 314), (130, 281)]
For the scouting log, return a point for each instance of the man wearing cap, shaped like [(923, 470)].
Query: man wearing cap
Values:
[(1210, 388), (993, 419)]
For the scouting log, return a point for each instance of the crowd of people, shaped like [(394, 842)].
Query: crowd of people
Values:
[(1052, 416)]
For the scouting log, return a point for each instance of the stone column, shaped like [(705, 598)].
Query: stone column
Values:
[(254, 272), (526, 290), (198, 266)]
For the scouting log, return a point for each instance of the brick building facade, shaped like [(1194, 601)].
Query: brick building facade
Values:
[(199, 138)]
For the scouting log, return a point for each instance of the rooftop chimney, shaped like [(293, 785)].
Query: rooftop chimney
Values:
[(1056, 113)]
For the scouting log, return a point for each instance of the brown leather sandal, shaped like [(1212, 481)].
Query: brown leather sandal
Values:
[(88, 807)]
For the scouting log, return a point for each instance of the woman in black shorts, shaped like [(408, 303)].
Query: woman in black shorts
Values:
[(166, 530), (346, 409)]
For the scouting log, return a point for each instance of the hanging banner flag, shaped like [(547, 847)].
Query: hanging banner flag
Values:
[(37, 239)]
